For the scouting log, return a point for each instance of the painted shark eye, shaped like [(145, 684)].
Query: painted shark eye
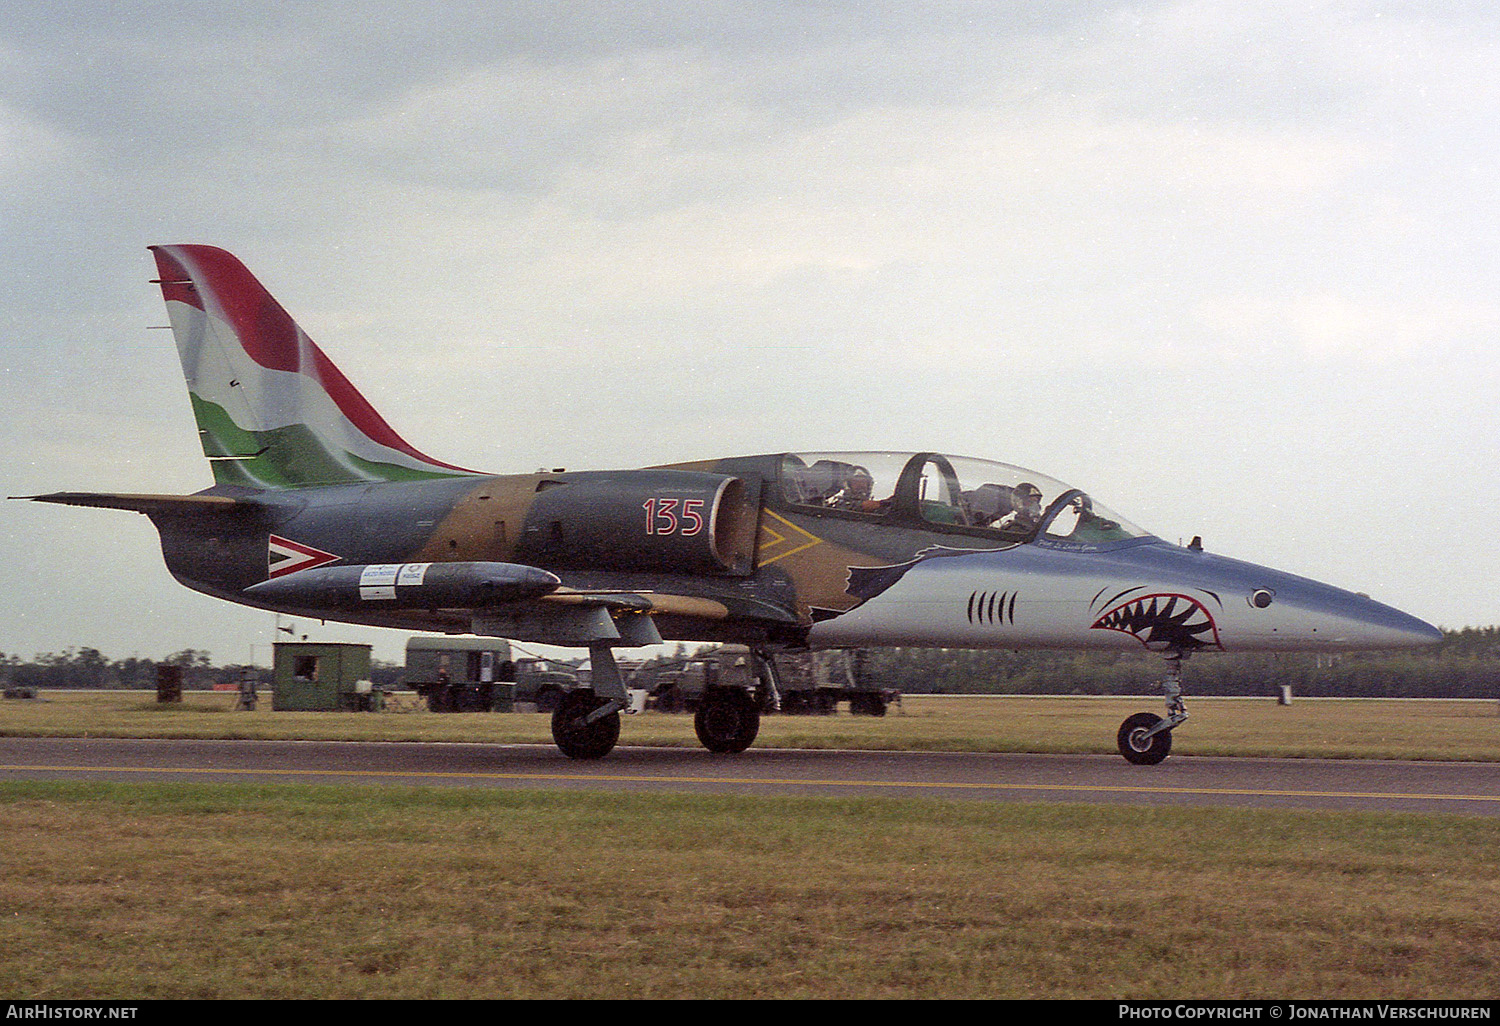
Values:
[(1260, 598)]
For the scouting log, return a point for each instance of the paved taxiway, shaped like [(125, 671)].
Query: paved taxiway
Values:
[(1469, 788)]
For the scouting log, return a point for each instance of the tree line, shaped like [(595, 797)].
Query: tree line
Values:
[(90, 668), (1465, 665)]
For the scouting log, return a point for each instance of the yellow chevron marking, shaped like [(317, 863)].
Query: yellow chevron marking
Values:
[(773, 542)]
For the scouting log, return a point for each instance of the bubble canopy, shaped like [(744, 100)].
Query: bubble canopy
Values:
[(957, 493)]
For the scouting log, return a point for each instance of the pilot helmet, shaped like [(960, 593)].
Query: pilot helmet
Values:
[(1027, 498)]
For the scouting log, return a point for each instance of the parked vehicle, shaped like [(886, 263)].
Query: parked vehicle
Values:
[(461, 674), (806, 683)]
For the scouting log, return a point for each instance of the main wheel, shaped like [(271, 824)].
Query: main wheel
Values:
[(1139, 749), (579, 740), (727, 721)]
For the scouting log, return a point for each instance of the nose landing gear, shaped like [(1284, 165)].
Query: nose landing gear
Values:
[(1145, 738)]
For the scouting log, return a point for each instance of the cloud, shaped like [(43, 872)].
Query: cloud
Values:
[(1324, 328), (585, 233)]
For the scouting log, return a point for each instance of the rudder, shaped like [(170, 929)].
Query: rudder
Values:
[(272, 410)]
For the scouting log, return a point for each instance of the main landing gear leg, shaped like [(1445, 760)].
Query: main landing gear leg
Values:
[(1145, 738), (586, 722), (770, 682)]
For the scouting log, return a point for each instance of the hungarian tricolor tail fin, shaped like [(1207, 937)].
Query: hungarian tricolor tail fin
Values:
[(272, 410)]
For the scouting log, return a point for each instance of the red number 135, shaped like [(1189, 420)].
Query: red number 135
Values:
[(664, 517)]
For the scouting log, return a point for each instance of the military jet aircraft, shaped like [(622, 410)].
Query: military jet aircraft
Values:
[(320, 509)]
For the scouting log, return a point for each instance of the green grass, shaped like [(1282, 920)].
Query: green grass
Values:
[(132, 891), (1411, 729)]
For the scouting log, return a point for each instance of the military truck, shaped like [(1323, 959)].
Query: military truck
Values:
[(807, 683), (457, 674), (679, 686)]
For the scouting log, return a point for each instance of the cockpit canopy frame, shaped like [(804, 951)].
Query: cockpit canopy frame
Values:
[(957, 494)]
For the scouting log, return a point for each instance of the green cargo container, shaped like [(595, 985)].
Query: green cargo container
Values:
[(322, 677)]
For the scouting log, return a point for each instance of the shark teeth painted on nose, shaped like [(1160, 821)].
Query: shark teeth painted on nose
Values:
[(1163, 621)]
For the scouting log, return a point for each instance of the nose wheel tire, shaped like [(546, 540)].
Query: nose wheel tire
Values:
[(577, 739), (1137, 747)]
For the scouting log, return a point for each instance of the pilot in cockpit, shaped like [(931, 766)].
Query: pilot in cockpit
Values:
[(855, 494), (1026, 509)]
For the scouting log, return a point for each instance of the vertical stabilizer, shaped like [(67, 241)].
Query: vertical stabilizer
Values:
[(272, 410)]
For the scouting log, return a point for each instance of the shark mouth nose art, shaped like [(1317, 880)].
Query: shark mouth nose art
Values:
[(1163, 621)]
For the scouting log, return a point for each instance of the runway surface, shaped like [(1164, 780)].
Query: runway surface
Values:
[(1468, 788)]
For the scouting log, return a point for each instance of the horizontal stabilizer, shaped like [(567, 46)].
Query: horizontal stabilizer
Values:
[(151, 505)]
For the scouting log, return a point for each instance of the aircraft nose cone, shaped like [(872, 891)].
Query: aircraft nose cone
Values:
[(1322, 616), (1415, 632), (1370, 624), (1255, 608)]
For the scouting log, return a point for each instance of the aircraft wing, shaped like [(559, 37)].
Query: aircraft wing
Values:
[(642, 602)]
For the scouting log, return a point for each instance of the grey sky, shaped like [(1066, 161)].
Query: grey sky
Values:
[(1231, 267)]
